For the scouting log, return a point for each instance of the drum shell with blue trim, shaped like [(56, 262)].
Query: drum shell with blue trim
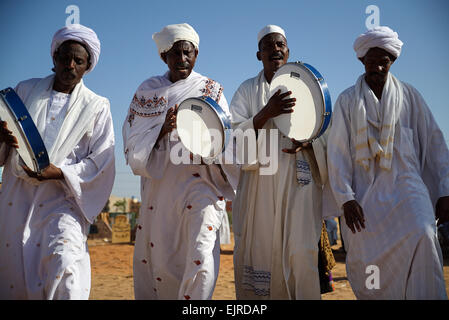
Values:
[(31, 149), (313, 107), (203, 127)]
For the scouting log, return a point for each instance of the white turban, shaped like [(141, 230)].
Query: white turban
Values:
[(166, 38), (271, 28), (80, 34), (381, 37)]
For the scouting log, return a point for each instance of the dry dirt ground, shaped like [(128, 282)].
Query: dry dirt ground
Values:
[(112, 273)]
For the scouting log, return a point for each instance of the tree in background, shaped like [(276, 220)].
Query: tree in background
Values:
[(120, 205)]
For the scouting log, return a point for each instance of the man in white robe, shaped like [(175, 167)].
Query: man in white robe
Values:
[(177, 249), (277, 212), (45, 219), (388, 168)]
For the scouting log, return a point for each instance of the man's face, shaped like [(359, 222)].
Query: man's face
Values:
[(71, 61), (180, 59), (377, 64), (273, 52)]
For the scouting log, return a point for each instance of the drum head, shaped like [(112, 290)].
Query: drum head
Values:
[(24, 150), (199, 128), (305, 122)]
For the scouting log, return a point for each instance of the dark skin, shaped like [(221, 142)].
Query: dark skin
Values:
[(71, 61), (377, 64), (169, 123), (180, 59), (274, 53), (442, 210), (6, 135)]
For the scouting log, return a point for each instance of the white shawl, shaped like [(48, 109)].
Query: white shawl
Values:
[(152, 100), (78, 121), (367, 146)]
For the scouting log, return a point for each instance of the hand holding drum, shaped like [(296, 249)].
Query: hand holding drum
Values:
[(203, 127), (313, 107), (278, 104), (50, 172), (6, 136), (281, 103), (18, 130), (169, 123)]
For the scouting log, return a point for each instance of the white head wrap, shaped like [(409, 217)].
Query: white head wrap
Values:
[(82, 34), (381, 37), (166, 38), (271, 28)]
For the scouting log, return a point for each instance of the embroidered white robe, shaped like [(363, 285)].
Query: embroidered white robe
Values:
[(44, 225), (400, 237), (276, 219), (177, 249)]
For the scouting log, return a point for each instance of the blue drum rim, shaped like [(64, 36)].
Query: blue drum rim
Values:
[(33, 137), (218, 110), (326, 98), (226, 123), (325, 95)]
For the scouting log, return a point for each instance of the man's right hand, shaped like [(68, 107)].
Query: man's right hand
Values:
[(169, 123), (354, 215), (6, 135), (278, 104)]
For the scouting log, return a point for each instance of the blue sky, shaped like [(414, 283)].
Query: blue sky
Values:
[(319, 32)]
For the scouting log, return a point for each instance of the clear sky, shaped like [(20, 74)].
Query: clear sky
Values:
[(319, 32)]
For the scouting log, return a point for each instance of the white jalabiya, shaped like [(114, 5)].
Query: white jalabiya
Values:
[(400, 236), (59, 103), (177, 249), (44, 225), (276, 220)]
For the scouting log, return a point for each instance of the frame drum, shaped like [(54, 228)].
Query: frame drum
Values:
[(313, 108), (203, 126), (31, 149)]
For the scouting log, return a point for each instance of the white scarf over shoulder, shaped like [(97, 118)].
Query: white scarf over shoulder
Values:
[(78, 121), (367, 146)]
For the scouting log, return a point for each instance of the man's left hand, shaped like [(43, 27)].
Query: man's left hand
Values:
[(297, 146), (51, 172), (442, 210)]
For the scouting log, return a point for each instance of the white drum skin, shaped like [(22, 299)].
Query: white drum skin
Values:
[(311, 109), (201, 127)]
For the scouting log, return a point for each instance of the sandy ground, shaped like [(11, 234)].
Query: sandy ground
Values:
[(112, 273)]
